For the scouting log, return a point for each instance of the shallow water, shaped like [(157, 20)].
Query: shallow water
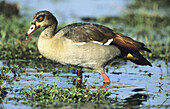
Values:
[(71, 10), (128, 82)]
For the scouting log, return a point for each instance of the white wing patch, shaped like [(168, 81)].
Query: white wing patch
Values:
[(80, 43), (97, 42), (109, 42)]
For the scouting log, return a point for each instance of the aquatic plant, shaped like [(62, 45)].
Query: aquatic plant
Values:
[(50, 96), (9, 73)]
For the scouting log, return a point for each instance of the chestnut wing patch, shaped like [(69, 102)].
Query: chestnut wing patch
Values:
[(128, 43)]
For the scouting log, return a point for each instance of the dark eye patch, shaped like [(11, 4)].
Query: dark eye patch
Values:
[(40, 18)]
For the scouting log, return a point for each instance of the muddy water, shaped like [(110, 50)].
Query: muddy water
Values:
[(129, 82)]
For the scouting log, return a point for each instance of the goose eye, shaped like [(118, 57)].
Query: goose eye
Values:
[(40, 18)]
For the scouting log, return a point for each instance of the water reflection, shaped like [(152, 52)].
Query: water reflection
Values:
[(135, 100), (128, 83)]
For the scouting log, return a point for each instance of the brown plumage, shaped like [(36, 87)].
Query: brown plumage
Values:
[(84, 44), (128, 43)]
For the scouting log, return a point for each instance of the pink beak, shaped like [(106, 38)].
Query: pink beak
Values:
[(31, 30)]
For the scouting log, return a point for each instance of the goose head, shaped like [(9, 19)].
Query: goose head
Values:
[(41, 19)]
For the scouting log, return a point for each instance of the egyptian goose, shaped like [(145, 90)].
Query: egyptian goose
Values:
[(86, 45)]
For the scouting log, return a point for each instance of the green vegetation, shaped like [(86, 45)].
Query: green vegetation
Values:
[(146, 29), (3, 90), (144, 20), (13, 43), (8, 73), (147, 24), (50, 96)]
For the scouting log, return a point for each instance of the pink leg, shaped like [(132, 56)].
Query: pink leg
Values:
[(105, 78), (79, 75), (106, 85)]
